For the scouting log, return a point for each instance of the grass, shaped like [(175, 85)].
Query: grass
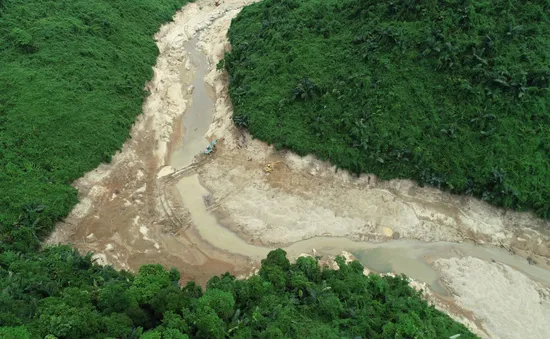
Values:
[(450, 93)]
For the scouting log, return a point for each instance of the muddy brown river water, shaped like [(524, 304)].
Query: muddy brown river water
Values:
[(412, 258)]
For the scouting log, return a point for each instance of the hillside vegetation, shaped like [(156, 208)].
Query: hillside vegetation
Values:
[(71, 80), (72, 74), (449, 93), (67, 296)]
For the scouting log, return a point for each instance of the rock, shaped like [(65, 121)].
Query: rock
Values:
[(91, 238), (388, 232)]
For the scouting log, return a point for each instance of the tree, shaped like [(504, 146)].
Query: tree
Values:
[(19, 332), (220, 301), (65, 295)]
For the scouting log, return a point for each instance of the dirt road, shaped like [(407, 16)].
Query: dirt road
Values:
[(157, 203)]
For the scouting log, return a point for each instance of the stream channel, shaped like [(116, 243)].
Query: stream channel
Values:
[(400, 256)]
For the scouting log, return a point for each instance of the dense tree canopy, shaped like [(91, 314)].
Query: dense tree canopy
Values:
[(71, 80), (450, 93), (72, 74), (65, 295)]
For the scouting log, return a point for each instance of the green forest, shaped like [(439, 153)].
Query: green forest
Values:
[(60, 294), (72, 81), (72, 74), (449, 93)]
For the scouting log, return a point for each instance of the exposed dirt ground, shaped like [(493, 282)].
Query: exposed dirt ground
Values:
[(131, 212), (508, 303)]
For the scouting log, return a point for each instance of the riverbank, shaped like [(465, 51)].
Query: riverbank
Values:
[(225, 211)]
